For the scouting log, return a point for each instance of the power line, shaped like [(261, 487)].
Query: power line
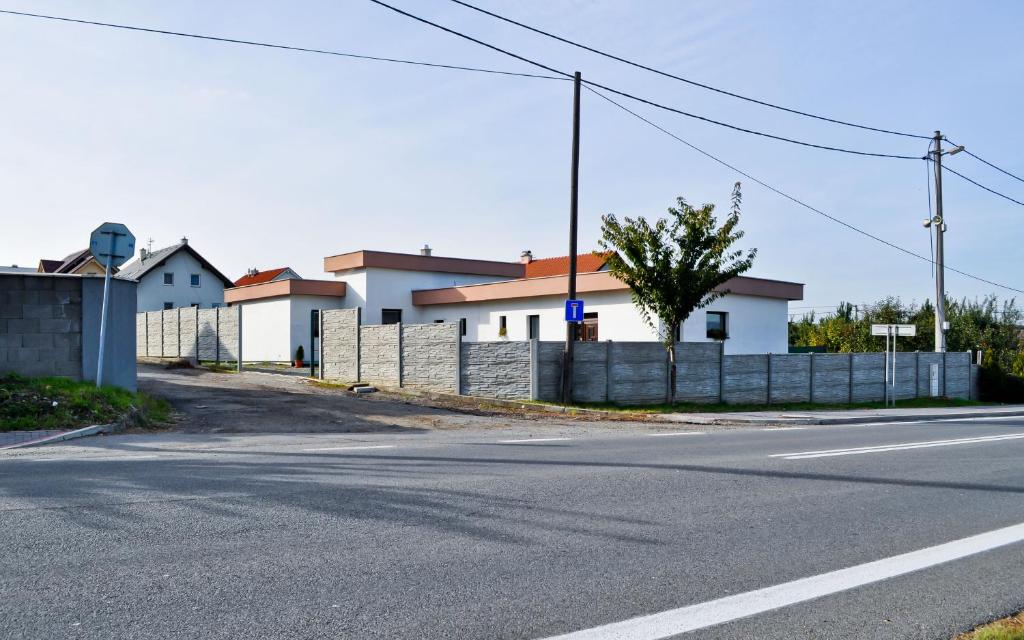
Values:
[(978, 184), (681, 79), (268, 45), (984, 161), (637, 98), (794, 199)]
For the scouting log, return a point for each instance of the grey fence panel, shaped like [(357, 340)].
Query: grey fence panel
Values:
[(697, 372), (639, 373), (496, 369), (379, 353), (187, 342), (339, 344), (868, 377), (549, 374), (791, 378), (430, 356), (590, 371), (169, 322), (227, 337), (746, 379), (924, 362), (207, 319), (958, 375), (831, 377), (154, 334), (140, 334)]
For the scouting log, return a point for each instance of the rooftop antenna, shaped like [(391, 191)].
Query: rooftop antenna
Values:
[(149, 245)]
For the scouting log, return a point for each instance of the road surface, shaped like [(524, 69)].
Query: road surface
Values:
[(893, 530)]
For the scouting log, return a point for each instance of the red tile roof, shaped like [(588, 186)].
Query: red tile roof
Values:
[(585, 263), (260, 277)]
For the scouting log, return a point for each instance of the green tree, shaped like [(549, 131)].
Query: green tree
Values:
[(676, 266)]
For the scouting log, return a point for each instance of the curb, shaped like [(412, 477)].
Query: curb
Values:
[(684, 419), (95, 429)]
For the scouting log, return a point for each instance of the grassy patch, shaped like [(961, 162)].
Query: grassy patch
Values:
[(59, 403), (689, 407), (1011, 628), (219, 367)]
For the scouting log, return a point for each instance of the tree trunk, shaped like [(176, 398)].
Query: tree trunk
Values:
[(672, 372)]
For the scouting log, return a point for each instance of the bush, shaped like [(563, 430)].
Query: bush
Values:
[(996, 385), (300, 354)]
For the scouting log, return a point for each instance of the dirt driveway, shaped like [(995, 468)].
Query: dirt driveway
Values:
[(254, 402)]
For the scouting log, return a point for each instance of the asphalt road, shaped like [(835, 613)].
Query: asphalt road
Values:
[(458, 534)]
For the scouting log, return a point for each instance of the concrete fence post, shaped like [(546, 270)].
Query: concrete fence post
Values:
[(320, 332), (534, 369), (943, 374), (145, 319), (195, 314), (534, 388), (608, 371), (179, 331), (810, 378), (721, 372), (359, 345), (238, 353), (400, 362), (216, 335), (162, 334)]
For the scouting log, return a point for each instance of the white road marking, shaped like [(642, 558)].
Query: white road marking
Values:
[(899, 423), (675, 433), (527, 440), (353, 448), (699, 616), (783, 429), (828, 453), (87, 458)]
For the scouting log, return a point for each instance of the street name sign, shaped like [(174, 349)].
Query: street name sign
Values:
[(901, 330)]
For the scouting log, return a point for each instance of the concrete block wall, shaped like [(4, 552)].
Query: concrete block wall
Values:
[(639, 373), (187, 327), (496, 369), (339, 344), (141, 340), (745, 379), (430, 356), (379, 354), (227, 333), (831, 383), (549, 370), (697, 372), (154, 334), (790, 376), (590, 371), (41, 325), (170, 328), (189, 332)]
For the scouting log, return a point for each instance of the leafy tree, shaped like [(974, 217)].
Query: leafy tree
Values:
[(676, 266)]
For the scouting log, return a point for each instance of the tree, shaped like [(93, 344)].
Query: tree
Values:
[(676, 266)]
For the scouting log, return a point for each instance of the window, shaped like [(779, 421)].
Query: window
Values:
[(390, 316), (194, 279), (438, 321), (587, 330), (168, 278), (462, 326), (194, 304), (533, 327), (168, 305), (718, 325), (502, 326), (216, 305)]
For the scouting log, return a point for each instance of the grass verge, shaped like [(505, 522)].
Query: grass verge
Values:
[(687, 407), (58, 403), (1011, 628), (219, 367)]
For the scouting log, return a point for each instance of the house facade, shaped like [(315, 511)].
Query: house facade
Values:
[(175, 276)]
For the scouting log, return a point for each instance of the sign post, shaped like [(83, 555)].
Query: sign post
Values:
[(112, 244), (892, 331)]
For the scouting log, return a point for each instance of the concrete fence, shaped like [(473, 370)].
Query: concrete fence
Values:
[(433, 357), (190, 332), (50, 326)]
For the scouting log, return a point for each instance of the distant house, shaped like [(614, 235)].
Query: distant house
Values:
[(80, 262), (176, 276), (255, 276), (16, 269)]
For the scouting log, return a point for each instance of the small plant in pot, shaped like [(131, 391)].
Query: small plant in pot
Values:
[(299, 355)]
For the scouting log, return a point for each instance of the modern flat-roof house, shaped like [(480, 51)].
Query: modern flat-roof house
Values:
[(175, 276)]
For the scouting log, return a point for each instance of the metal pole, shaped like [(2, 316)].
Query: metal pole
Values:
[(103, 313), (570, 327), (888, 331), (940, 225), (895, 332)]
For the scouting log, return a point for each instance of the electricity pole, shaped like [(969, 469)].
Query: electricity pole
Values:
[(940, 230), (570, 327)]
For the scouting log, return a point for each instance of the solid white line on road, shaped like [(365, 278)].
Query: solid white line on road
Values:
[(353, 448), (828, 453), (699, 616), (528, 440), (675, 433), (87, 458), (783, 429)]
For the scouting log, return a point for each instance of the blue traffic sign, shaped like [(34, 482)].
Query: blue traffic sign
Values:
[(574, 311)]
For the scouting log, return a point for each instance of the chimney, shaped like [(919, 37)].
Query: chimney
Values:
[(526, 257), (426, 250), (143, 254), (184, 240)]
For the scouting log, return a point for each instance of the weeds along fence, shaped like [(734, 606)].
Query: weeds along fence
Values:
[(433, 357)]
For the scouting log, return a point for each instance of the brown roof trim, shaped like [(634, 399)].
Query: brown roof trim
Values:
[(279, 288), (413, 262), (587, 283)]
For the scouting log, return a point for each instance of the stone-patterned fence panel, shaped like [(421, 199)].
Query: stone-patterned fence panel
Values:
[(209, 335), (496, 369), (379, 354), (430, 356), (339, 344), (745, 379)]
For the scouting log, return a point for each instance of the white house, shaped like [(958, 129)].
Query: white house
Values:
[(175, 276)]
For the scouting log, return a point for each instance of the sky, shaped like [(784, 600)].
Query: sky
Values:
[(266, 158)]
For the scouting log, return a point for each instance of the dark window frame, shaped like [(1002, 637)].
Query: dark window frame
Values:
[(392, 313), (530, 334), (168, 306), (463, 324), (166, 274), (717, 333), (197, 278)]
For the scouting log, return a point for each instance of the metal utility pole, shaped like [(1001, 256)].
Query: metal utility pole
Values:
[(940, 230), (570, 327)]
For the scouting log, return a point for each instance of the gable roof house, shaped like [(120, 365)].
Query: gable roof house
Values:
[(255, 276), (176, 276), (80, 262)]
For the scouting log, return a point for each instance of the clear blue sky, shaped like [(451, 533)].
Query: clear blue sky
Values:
[(268, 158)]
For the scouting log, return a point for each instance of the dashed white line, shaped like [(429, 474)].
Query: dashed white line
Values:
[(828, 453), (352, 448), (528, 440), (706, 614)]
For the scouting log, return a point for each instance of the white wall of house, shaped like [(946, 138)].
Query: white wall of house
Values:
[(272, 329), (755, 324), (153, 293)]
